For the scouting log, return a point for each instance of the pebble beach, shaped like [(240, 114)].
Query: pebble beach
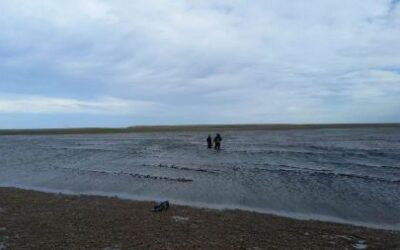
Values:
[(37, 220)]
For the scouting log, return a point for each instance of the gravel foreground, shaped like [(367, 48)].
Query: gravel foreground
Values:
[(36, 220)]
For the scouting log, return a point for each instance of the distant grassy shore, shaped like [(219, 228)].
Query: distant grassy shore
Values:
[(176, 128)]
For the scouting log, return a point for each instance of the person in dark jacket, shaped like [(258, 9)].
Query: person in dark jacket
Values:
[(217, 142), (209, 141)]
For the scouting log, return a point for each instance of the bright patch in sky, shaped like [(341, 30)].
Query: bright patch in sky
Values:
[(121, 63)]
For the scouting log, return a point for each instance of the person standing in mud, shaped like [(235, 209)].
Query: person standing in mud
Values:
[(217, 142), (209, 141)]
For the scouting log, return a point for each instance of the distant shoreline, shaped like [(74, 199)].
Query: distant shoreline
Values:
[(195, 128)]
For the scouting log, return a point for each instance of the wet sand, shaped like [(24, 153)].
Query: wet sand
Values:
[(36, 220)]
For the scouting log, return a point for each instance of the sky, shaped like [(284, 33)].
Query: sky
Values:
[(98, 63)]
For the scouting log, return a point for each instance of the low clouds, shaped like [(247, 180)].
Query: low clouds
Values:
[(204, 61), (51, 105)]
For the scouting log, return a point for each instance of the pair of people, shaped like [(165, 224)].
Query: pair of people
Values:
[(217, 142)]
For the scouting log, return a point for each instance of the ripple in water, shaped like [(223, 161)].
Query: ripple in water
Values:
[(347, 175)]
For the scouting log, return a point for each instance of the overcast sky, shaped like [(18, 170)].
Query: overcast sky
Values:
[(85, 63)]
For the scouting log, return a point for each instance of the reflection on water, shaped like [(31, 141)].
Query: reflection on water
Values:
[(347, 174)]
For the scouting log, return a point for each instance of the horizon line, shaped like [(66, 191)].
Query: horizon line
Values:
[(192, 127)]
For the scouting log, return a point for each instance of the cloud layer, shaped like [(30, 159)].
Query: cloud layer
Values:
[(47, 105), (201, 61)]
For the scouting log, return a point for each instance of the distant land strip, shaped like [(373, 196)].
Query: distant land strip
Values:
[(194, 128)]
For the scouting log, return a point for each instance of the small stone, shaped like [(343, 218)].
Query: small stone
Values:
[(180, 218)]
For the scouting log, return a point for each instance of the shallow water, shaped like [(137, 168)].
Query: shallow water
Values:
[(347, 175)]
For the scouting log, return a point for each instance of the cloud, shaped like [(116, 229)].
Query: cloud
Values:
[(50, 105), (393, 5), (204, 61)]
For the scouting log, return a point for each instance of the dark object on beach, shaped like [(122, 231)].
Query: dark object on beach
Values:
[(217, 142), (160, 207), (209, 141)]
